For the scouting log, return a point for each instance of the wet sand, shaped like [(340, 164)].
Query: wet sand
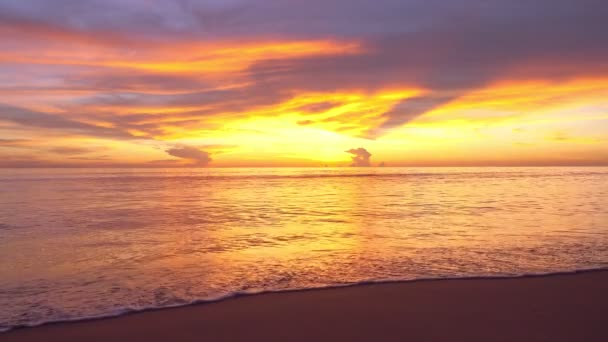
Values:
[(571, 307)]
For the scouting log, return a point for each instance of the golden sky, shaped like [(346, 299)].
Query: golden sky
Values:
[(147, 83)]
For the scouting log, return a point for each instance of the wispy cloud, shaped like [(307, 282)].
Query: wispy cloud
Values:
[(54, 121), (158, 71)]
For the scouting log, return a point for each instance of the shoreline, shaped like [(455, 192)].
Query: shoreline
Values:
[(127, 312), (553, 301)]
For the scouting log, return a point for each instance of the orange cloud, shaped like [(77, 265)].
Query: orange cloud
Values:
[(301, 94)]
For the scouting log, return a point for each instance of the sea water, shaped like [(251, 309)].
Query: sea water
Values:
[(80, 243)]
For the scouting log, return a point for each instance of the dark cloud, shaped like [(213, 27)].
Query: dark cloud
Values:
[(192, 154), (361, 157), (208, 102), (116, 83), (408, 110), (158, 19), (465, 51), (318, 107), (29, 118)]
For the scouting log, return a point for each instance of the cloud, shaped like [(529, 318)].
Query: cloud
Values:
[(54, 121), (361, 157), (448, 50), (113, 69), (318, 107), (15, 142), (193, 154), (71, 150), (408, 110)]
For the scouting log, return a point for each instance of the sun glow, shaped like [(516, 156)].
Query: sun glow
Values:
[(264, 102)]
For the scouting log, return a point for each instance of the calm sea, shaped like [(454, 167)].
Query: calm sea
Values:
[(78, 243)]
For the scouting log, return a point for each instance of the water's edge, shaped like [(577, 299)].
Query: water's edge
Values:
[(129, 311)]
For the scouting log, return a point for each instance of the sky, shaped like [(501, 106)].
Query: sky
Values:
[(241, 83)]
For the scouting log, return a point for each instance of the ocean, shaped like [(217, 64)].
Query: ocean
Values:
[(83, 243)]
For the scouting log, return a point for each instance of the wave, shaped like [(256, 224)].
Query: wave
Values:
[(129, 311)]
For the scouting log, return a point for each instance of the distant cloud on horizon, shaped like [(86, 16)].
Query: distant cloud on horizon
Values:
[(193, 154), (360, 157)]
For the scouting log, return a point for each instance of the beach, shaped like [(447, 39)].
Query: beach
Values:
[(566, 307)]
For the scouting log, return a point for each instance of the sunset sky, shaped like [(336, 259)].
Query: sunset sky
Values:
[(225, 83)]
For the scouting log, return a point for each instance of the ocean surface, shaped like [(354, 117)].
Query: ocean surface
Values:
[(80, 243)]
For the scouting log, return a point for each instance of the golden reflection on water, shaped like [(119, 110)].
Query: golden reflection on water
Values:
[(156, 238)]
